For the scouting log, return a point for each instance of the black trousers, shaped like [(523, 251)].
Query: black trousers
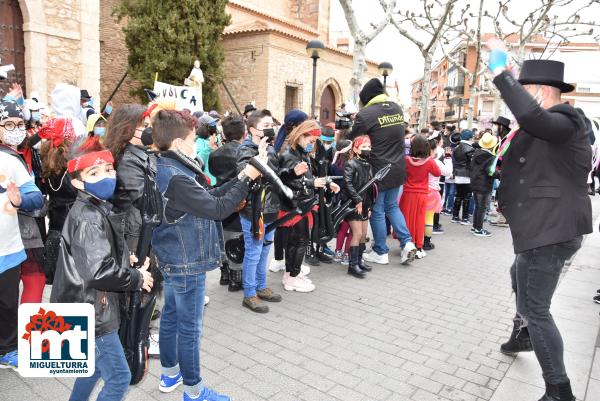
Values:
[(463, 198), (481, 199), (9, 305), (280, 241), (298, 242)]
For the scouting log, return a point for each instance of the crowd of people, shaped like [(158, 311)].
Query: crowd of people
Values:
[(75, 184)]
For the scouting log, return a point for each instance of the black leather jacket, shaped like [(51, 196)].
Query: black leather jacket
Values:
[(271, 202), (357, 173), (304, 185), (131, 170), (93, 262), (462, 159)]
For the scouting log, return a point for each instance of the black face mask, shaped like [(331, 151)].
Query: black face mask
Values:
[(365, 154), (269, 132), (146, 137)]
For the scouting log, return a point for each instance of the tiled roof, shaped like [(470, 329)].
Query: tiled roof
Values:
[(296, 25)]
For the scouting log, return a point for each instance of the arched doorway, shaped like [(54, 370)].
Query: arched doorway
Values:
[(327, 114), (12, 43)]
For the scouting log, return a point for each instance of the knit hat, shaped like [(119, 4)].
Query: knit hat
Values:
[(466, 135), (371, 89), (9, 109), (293, 118)]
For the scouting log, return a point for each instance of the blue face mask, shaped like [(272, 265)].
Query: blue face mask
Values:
[(36, 116), (103, 189), (99, 131), (308, 148), (108, 109)]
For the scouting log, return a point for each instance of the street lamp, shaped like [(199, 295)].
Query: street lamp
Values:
[(385, 69), (314, 48)]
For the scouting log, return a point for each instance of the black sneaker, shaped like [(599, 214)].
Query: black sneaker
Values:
[(455, 220), (597, 299), (472, 229), (482, 233), (465, 222), (438, 229)]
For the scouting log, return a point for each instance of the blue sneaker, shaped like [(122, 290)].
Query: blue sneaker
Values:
[(10, 360), (207, 395), (328, 251), (170, 383)]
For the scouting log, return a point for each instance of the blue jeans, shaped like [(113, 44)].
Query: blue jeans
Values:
[(256, 257), (111, 366), (449, 194), (386, 204), (181, 327)]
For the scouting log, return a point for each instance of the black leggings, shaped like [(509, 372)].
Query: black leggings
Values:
[(297, 243), (280, 241), (463, 198)]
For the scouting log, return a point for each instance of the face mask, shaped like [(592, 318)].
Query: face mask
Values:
[(308, 148), (103, 189), (108, 109), (327, 146), (269, 132), (538, 97), (146, 137), (14, 137), (36, 116), (365, 154), (99, 131), (194, 150)]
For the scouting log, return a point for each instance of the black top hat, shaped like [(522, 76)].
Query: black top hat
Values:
[(545, 72), (85, 94), (455, 138), (249, 107), (502, 121)]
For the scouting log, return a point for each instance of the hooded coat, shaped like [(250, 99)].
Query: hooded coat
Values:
[(66, 104)]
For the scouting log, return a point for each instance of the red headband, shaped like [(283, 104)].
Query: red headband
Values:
[(89, 160), (314, 132), (149, 110), (361, 140)]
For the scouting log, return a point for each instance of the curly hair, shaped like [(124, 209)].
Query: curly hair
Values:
[(121, 128), (54, 159)]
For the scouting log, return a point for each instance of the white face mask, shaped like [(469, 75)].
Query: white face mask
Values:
[(14, 137), (538, 97)]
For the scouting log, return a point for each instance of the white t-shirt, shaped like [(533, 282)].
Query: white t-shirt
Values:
[(11, 169)]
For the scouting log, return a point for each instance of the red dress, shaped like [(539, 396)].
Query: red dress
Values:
[(413, 202)]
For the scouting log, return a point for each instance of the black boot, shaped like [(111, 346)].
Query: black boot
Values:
[(427, 245), (518, 342), (235, 280), (456, 209), (311, 257), (361, 263), (224, 274), (353, 268), (558, 392)]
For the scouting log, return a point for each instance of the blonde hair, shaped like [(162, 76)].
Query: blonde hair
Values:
[(300, 130)]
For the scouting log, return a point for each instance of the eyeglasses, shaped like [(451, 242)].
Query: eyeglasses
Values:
[(10, 126)]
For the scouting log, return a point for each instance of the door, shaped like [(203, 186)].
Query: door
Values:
[(12, 43), (327, 106)]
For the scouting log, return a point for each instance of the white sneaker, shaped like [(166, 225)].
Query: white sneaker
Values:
[(303, 277), (374, 257), (304, 269), (420, 254), (206, 300), (408, 253), (296, 284), (277, 266), (153, 349)]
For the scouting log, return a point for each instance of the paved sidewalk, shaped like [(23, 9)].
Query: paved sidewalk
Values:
[(430, 331)]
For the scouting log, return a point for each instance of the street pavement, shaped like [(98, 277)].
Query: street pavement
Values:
[(430, 331)]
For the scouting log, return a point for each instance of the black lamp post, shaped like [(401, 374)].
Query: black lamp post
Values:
[(314, 48), (385, 69)]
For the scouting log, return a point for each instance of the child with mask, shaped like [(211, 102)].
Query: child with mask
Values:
[(357, 174), (94, 266)]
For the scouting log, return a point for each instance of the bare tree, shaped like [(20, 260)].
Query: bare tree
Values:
[(361, 39), (468, 37), (432, 22), (543, 20)]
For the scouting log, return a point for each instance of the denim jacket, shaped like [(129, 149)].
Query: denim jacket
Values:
[(189, 244)]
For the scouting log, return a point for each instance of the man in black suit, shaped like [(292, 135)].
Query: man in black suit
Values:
[(543, 195)]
